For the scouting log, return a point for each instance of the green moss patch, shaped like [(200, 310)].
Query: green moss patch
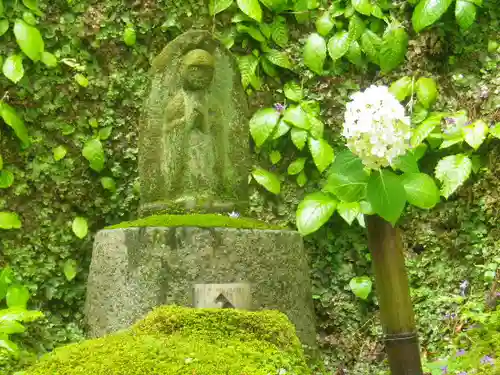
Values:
[(177, 340), (197, 220)]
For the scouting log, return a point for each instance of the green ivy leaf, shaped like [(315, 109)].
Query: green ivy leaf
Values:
[(296, 166), (49, 59), (11, 118), (108, 183), (94, 153), (70, 269), (302, 179), (426, 89), (322, 153), (217, 6), (279, 58), (4, 26), (475, 133), (421, 190), (293, 91), (6, 179), (267, 179), (275, 156), (81, 80), (315, 53), (1, 8), (262, 124), (59, 152), (297, 117), (29, 40), (452, 171), (1, 162), (363, 6), (13, 68), (361, 286), (129, 36), (9, 220), (495, 130), (401, 89), (424, 129), (370, 44), (356, 28), (80, 227), (279, 33), (347, 178), (349, 211), (251, 8), (17, 296), (299, 138), (338, 45), (314, 211), (393, 48), (406, 163), (324, 24), (105, 132), (428, 12), (6, 278), (465, 13), (355, 55), (386, 194)]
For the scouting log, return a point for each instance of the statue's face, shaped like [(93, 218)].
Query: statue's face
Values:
[(198, 69), (198, 77)]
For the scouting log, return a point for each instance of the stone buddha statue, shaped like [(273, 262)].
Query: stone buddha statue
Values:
[(193, 150)]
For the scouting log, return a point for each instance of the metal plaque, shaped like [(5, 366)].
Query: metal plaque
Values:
[(223, 296)]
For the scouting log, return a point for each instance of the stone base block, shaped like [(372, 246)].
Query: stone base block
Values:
[(134, 270)]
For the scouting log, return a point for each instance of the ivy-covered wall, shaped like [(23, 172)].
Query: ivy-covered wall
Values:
[(96, 92)]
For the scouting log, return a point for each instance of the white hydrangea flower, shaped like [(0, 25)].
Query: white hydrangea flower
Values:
[(376, 127)]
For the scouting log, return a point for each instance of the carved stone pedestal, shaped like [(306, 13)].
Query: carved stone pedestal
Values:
[(134, 270)]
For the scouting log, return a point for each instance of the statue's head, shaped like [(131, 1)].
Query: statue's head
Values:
[(197, 69)]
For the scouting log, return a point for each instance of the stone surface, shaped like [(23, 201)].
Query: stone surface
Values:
[(194, 138), (134, 270)]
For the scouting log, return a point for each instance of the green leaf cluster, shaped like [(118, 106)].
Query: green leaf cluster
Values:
[(299, 124)]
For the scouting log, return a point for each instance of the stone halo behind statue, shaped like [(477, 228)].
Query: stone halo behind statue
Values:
[(193, 140)]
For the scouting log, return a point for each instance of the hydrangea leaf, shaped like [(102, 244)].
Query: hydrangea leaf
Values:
[(314, 211), (452, 171)]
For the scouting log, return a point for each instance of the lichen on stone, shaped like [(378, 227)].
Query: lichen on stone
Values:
[(197, 220), (177, 340)]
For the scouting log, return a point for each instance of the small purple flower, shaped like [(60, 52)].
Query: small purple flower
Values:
[(444, 370), (460, 353), (462, 373), (487, 360), (279, 107)]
